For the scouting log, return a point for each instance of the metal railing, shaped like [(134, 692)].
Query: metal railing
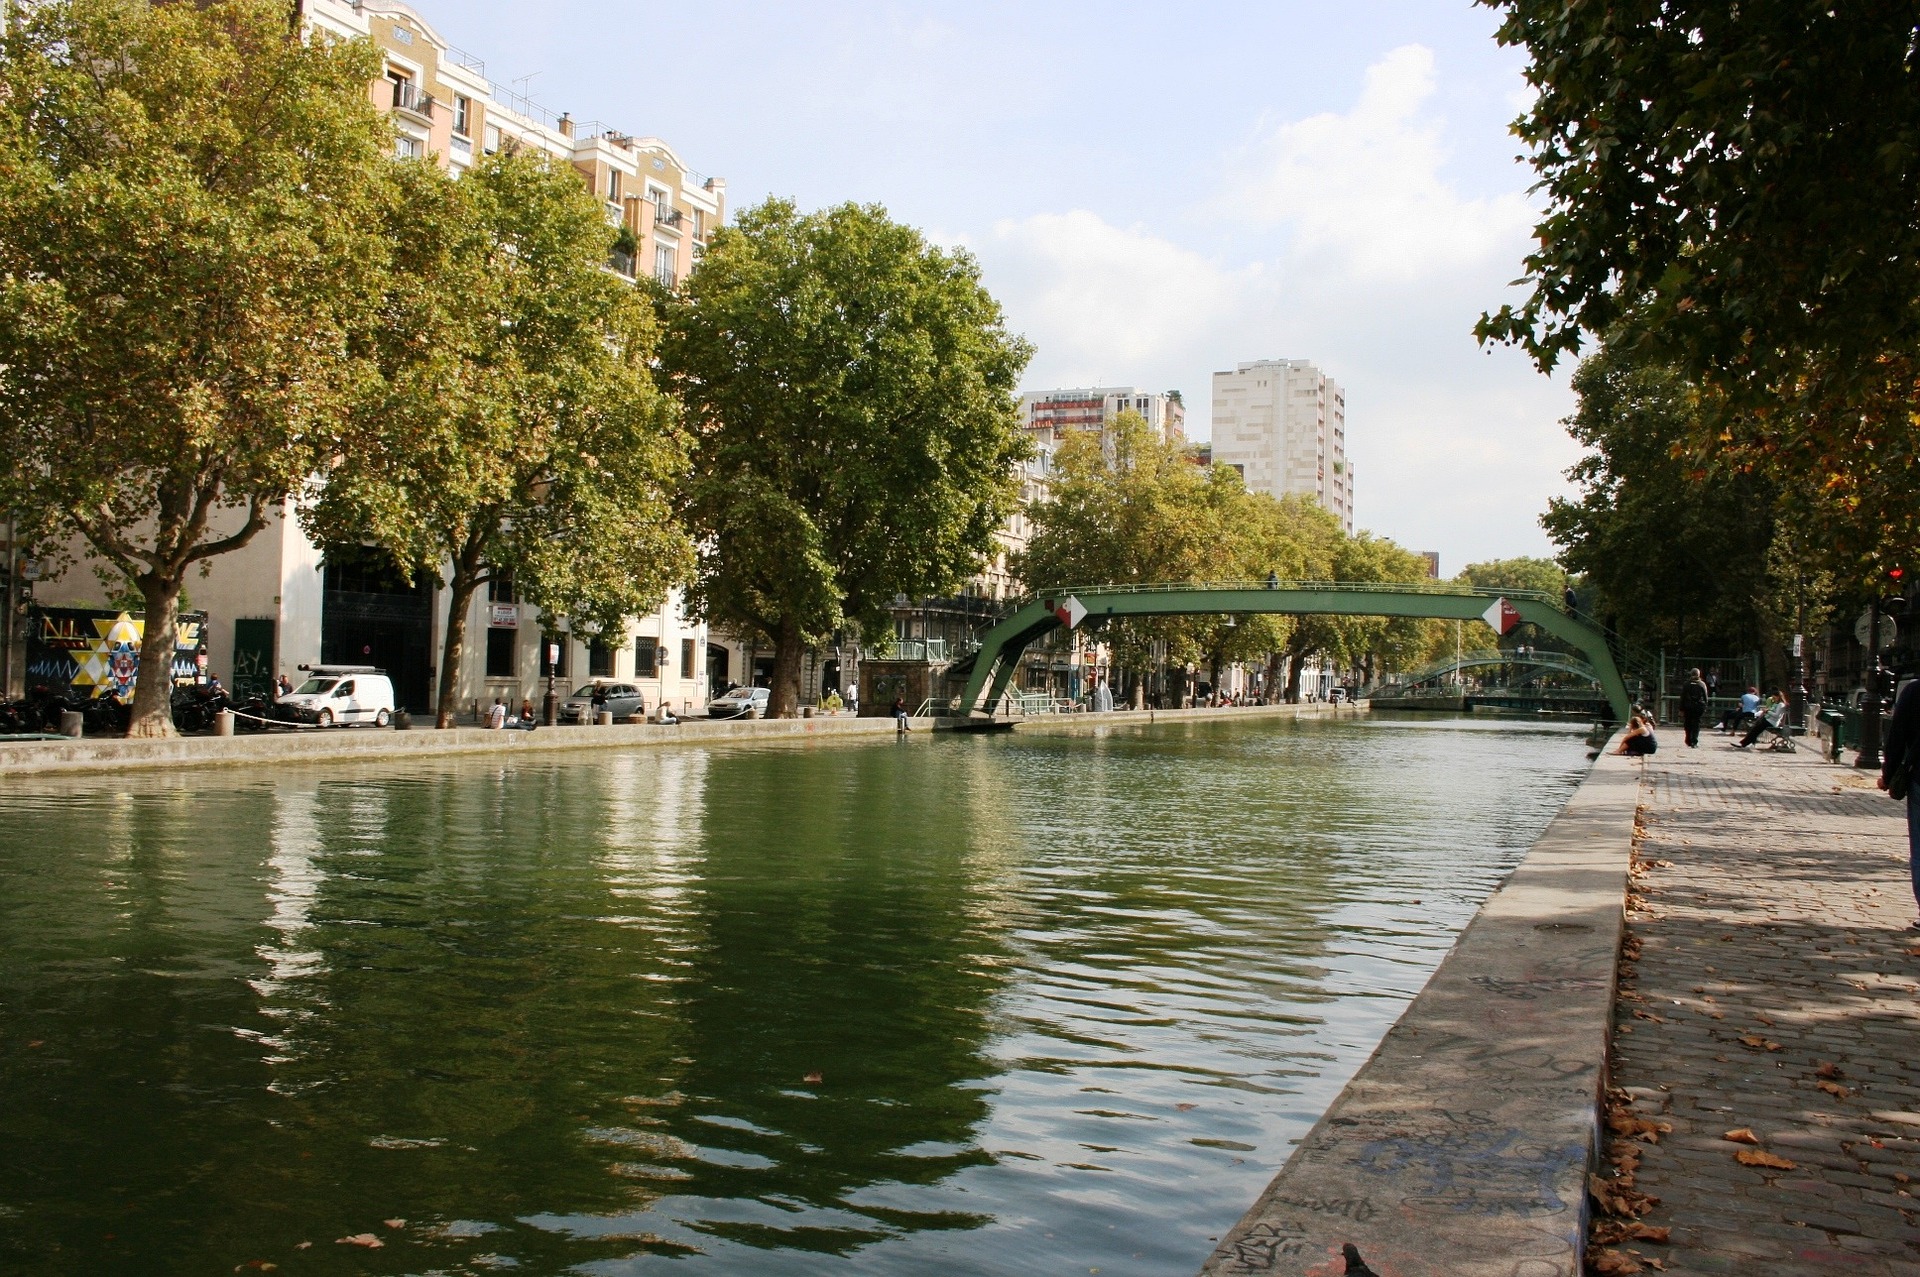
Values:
[(408, 97), (913, 650), (667, 215), (1364, 587)]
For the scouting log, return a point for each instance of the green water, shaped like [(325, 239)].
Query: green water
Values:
[(1065, 1000)]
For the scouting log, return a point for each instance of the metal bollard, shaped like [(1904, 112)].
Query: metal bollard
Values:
[(223, 723), (72, 723)]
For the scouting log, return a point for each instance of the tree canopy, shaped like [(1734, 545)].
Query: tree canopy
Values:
[(183, 263), (513, 428), (851, 389)]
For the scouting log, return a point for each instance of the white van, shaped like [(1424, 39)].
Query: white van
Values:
[(340, 695)]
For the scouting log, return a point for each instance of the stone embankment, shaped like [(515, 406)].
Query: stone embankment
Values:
[(1462, 1147), (367, 744)]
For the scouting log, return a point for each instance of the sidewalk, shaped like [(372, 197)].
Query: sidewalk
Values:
[(1768, 986)]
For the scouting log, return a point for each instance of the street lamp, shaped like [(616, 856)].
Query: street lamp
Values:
[(550, 707)]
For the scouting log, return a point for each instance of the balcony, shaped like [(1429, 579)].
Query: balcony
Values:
[(407, 97), (667, 216), (623, 263)]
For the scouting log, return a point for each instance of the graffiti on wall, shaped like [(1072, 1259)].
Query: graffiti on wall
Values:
[(91, 653)]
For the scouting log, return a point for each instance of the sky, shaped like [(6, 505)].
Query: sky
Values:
[(1153, 191)]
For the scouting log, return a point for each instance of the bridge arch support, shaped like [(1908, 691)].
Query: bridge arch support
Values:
[(1001, 647)]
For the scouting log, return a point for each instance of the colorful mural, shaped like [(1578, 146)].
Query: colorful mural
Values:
[(84, 652)]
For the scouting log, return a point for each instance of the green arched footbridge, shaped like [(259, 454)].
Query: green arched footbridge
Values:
[(1000, 647)]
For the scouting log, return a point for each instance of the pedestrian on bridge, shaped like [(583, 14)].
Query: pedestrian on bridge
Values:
[(1693, 706)]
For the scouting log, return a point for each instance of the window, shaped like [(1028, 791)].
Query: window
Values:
[(686, 658), (500, 588), (345, 689), (462, 113), (500, 652), (599, 660), (546, 646), (492, 141), (613, 185), (407, 148), (697, 227), (643, 656), (663, 263)]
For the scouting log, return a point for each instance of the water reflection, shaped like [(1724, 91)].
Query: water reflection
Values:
[(1006, 1006)]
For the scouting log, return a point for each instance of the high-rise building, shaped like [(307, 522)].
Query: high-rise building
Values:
[(1282, 423), (1050, 414)]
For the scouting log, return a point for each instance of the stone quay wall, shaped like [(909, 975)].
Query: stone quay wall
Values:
[(349, 744), (1462, 1146)]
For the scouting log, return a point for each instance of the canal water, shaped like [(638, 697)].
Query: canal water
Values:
[(1013, 1005)]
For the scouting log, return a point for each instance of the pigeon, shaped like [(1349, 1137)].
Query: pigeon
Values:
[(1356, 1266)]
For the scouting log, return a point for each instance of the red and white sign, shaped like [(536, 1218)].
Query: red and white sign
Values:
[(1071, 611), (1502, 616), (504, 616)]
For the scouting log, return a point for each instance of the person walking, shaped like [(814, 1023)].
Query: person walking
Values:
[(1898, 758), (1693, 706)]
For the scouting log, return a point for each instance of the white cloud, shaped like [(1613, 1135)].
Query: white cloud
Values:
[(1367, 186), (1355, 251)]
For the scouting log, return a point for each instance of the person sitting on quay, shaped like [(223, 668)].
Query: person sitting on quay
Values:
[(526, 722), (497, 716), (1639, 740)]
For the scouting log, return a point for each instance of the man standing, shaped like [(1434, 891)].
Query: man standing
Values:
[(1693, 706), (1898, 755)]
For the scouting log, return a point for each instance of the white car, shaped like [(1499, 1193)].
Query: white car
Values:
[(741, 702), (340, 695)]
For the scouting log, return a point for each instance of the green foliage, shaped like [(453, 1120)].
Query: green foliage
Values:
[(1673, 555), (183, 262), (1126, 506), (514, 425), (852, 390), (1739, 180), (1542, 575)]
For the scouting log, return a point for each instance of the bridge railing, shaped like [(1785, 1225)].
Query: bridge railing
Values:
[(1365, 587)]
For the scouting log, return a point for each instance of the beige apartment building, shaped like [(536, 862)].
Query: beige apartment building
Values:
[(1282, 423), (282, 602)]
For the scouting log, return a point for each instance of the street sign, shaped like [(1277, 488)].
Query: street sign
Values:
[(1071, 611), (1889, 629), (1502, 616), (504, 616)]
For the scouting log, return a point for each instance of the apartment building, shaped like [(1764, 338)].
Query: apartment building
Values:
[(1050, 414), (1282, 423), (444, 106), (282, 601)]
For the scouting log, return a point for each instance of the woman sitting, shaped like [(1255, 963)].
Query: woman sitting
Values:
[(1639, 740)]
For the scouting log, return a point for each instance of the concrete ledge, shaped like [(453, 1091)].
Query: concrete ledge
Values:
[(1142, 717), (59, 754), (1461, 1148), (355, 743)]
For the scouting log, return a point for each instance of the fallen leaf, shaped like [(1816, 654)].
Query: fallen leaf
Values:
[(1760, 1157), (43, 1041), (813, 1077), (303, 1245), (1829, 1069), (394, 1223), (1610, 1262), (360, 1239), (1651, 1262), (1741, 1136), (1648, 1015), (1764, 1020), (1648, 1233), (1835, 1089), (1753, 1039), (1186, 1108), (1901, 1177)]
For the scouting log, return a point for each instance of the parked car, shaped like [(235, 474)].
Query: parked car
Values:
[(618, 699), (739, 702), (340, 695)]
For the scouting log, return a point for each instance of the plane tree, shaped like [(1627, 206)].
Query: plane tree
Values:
[(183, 265), (511, 425), (851, 390)]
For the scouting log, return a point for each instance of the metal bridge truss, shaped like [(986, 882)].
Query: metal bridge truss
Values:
[(1542, 662), (992, 667)]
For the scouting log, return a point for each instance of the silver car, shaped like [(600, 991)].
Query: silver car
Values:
[(618, 699), (740, 702)]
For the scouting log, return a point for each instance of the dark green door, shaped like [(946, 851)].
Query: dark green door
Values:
[(253, 658)]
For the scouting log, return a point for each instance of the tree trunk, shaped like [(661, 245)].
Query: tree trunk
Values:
[(152, 714), (461, 590), (783, 698), (1295, 660), (1275, 662)]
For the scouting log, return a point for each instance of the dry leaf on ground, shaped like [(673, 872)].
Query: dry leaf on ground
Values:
[(1834, 1088), (1741, 1136), (360, 1239), (1611, 1262), (394, 1223), (1829, 1069), (1760, 1157)]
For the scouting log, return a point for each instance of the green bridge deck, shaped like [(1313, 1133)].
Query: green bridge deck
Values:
[(1000, 648)]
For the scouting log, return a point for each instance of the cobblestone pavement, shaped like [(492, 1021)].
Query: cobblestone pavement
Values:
[(1775, 990)]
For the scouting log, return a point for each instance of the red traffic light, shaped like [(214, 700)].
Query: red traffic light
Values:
[(1894, 574)]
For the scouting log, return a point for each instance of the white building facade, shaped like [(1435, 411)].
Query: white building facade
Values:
[(1282, 423), (1049, 415)]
